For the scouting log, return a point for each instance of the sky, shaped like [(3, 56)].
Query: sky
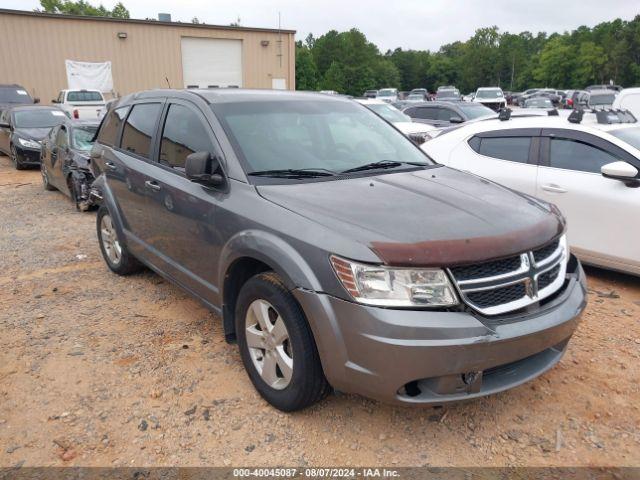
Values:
[(410, 24)]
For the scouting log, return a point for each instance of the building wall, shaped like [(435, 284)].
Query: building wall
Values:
[(33, 49)]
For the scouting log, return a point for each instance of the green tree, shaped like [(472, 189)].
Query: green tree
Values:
[(306, 70), (556, 63), (334, 78), (81, 7), (590, 62)]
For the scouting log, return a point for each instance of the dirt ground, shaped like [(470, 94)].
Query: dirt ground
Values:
[(100, 370)]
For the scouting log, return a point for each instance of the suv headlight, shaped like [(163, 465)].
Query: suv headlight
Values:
[(25, 142), (394, 287)]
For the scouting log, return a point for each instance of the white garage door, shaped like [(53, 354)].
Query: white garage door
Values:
[(208, 62)]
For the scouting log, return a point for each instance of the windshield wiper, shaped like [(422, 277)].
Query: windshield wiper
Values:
[(382, 164), (294, 173)]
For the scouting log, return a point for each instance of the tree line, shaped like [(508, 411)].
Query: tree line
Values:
[(348, 63)]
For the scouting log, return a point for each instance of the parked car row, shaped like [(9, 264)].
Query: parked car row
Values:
[(55, 138)]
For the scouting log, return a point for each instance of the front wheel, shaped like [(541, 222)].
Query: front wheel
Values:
[(15, 159), (114, 252), (277, 346), (45, 177)]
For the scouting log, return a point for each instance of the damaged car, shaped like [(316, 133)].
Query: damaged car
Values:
[(335, 251), (22, 130), (65, 163)]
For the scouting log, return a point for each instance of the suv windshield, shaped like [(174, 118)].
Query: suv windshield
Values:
[(447, 94), (14, 95), (83, 96), (82, 137), (629, 135), (324, 135), (492, 93), (389, 113), (39, 118), (602, 99), (386, 93)]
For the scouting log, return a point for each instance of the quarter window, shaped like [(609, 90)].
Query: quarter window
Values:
[(139, 127), (108, 134), (445, 114), (575, 155), (514, 149), (183, 134)]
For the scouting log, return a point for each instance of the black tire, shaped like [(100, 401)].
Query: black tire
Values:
[(71, 185), (45, 177), (308, 384), (126, 263), (16, 161)]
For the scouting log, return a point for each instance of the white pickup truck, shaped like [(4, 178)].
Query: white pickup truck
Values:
[(81, 104)]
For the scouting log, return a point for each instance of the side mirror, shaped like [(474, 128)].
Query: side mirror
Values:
[(4, 125), (202, 168), (619, 171), (55, 101), (36, 100), (456, 119)]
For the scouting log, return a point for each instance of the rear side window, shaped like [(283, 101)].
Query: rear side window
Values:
[(139, 127), (84, 97), (184, 133), (426, 113), (108, 134), (514, 149), (445, 114), (575, 155)]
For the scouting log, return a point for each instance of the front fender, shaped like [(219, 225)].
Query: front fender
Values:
[(273, 251)]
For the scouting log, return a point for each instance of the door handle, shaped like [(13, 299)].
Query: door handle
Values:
[(553, 188), (152, 185), (110, 165)]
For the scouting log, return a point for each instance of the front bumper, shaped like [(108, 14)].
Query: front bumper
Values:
[(434, 357), (28, 156)]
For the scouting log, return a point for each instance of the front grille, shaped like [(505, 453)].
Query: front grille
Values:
[(544, 252), (545, 279), (488, 269), (501, 286), (498, 296)]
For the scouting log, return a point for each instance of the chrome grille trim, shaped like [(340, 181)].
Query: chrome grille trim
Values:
[(527, 274)]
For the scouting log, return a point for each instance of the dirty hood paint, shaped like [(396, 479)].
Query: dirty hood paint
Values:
[(430, 217), (32, 133)]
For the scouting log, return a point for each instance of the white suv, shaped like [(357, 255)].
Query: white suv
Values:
[(589, 170), (491, 97)]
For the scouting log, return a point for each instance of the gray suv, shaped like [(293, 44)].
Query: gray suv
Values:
[(335, 251)]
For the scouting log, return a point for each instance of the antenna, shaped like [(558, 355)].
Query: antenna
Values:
[(279, 54), (167, 79)]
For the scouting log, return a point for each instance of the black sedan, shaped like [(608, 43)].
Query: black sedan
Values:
[(65, 163), (22, 130), (443, 114)]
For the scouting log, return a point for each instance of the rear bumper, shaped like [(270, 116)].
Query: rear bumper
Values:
[(434, 357)]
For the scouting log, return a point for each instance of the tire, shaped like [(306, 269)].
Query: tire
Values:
[(45, 177), (306, 383), (14, 158), (114, 252), (72, 192)]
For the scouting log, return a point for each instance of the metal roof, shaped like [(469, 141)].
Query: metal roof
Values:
[(139, 21)]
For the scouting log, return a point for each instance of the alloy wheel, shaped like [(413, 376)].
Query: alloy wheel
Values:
[(268, 344), (110, 241)]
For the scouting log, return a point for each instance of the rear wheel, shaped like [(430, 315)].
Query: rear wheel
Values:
[(114, 252), (45, 177), (277, 346)]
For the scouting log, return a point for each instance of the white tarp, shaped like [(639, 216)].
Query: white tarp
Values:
[(89, 75)]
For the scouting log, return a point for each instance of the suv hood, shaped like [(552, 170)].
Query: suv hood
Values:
[(432, 217)]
